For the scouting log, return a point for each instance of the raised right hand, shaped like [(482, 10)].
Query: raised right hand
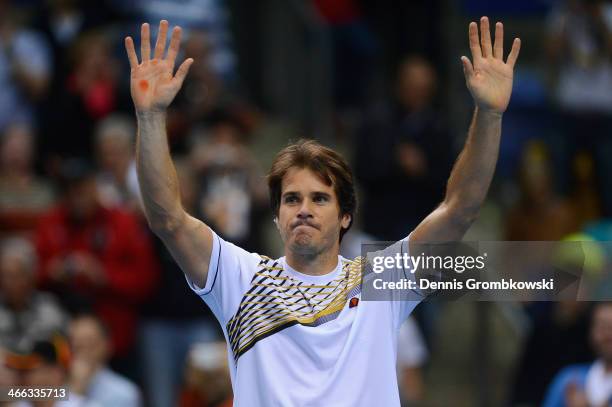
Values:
[(152, 82)]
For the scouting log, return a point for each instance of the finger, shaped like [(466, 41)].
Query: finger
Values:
[(468, 69), (514, 52), (175, 42), (181, 73), (474, 43), (131, 52), (485, 37), (498, 48), (160, 45), (145, 45)]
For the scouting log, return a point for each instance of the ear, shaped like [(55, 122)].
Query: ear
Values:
[(346, 221), (275, 220)]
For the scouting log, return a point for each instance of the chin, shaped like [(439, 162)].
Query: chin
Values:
[(303, 246)]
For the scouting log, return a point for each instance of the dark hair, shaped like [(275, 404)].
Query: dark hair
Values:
[(327, 164), (74, 171)]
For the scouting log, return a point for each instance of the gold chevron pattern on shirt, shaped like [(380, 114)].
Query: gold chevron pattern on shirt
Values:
[(276, 301)]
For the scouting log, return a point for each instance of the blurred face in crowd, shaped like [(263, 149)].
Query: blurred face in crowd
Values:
[(88, 341), (16, 149), (601, 331), (114, 152), (309, 218), (82, 198), (47, 374), (416, 84), (16, 279), (536, 180), (207, 371)]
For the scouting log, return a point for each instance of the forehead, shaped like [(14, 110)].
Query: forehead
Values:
[(304, 180)]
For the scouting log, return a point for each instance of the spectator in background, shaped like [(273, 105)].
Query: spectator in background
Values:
[(403, 155), (49, 366), (539, 214), (559, 336), (231, 195), (91, 92), (26, 315), (62, 21), (585, 196), (114, 150), (579, 47), (174, 317), (354, 51), (23, 195), (90, 376), (588, 385), (97, 257), (25, 69), (207, 379)]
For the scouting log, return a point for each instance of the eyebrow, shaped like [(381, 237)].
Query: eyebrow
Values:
[(315, 193)]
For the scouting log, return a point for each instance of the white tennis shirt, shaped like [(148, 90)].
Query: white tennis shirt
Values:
[(301, 340)]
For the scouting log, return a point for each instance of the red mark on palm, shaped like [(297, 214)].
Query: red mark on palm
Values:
[(144, 85)]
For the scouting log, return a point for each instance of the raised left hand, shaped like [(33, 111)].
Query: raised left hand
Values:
[(487, 76)]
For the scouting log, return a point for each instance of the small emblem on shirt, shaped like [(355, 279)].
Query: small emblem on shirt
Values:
[(353, 302)]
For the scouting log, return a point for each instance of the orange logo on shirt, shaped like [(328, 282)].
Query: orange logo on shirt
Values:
[(353, 302)]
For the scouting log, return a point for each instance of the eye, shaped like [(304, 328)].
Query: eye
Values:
[(321, 199), (290, 199)]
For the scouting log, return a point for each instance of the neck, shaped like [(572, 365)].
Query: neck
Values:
[(314, 265)]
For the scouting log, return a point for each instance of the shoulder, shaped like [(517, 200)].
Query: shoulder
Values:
[(572, 373), (117, 385)]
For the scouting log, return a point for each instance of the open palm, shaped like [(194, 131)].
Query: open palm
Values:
[(152, 83), (488, 77)]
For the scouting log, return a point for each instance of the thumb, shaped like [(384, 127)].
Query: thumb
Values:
[(468, 69), (181, 73)]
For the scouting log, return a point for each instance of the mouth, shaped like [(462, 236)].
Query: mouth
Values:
[(304, 225)]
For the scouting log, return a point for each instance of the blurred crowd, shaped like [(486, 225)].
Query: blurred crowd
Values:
[(91, 299)]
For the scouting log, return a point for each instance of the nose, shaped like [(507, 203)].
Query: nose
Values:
[(305, 211)]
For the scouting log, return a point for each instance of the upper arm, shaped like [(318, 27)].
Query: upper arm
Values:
[(191, 246), (444, 224)]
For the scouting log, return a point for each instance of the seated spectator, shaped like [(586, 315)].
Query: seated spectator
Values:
[(539, 213), (25, 68), (90, 376), (412, 149), (91, 91), (114, 150), (96, 257), (207, 379), (558, 337), (579, 48), (230, 197), (23, 196), (48, 365), (26, 315), (587, 384)]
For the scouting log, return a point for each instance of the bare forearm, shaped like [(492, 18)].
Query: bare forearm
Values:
[(156, 173), (472, 174)]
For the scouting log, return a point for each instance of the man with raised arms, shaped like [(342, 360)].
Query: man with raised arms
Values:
[(297, 334)]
